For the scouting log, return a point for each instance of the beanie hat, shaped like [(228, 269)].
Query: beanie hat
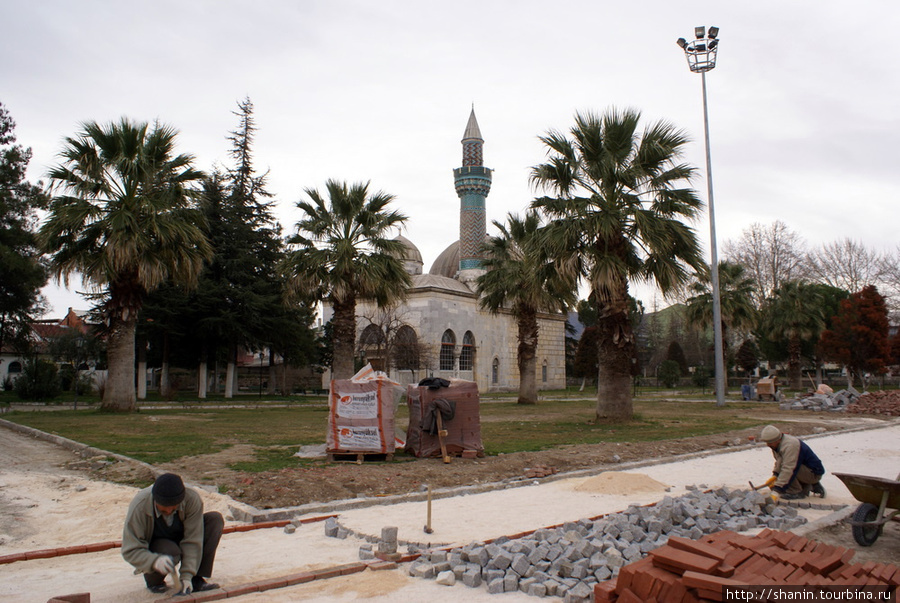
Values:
[(770, 433), (168, 490)]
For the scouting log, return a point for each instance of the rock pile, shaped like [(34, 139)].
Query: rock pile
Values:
[(568, 560), (885, 402), (837, 401)]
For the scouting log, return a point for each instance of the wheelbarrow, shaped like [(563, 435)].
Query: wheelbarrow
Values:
[(879, 503)]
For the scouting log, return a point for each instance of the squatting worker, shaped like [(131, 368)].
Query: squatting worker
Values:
[(798, 470), (165, 526)]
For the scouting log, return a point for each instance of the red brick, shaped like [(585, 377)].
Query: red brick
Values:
[(42, 554), (382, 565), (240, 590), (205, 597), (704, 581), (825, 564), (271, 583), (299, 578), (683, 559), (12, 558), (101, 546), (626, 596), (352, 568), (605, 592), (737, 557), (76, 598), (698, 548), (724, 570)]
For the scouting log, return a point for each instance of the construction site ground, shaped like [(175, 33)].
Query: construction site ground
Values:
[(50, 498)]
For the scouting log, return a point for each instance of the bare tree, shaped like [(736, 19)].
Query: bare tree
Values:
[(845, 264), (771, 255), (889, 265)]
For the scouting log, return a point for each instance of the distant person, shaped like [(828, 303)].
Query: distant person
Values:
[(165, 526), (798, 470)]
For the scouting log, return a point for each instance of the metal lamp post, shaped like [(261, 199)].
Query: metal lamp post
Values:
[(262, 356), (701, 57)]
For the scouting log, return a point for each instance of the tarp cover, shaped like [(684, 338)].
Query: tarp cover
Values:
[(361, 413), (463, 429)]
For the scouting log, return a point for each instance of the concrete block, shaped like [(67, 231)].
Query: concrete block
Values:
[(537, 590), (446, 578), (520, 564), (511, 582), (366, 552), (602, 573), (502, 560), (331, 527)]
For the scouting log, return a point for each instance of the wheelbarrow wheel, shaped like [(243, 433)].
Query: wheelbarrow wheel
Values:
[(866, 535)]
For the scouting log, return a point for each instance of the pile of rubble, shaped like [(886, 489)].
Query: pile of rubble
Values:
[(569, 560), (885, 402), (823, 399)]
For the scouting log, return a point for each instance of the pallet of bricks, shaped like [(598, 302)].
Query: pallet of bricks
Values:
[(772, 565), (361, 417)]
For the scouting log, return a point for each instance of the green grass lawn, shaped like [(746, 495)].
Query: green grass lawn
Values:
[(161, 435)]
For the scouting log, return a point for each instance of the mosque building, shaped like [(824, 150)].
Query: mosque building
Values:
[(440, 329)]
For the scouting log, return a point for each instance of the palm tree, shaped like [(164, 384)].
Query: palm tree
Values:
[(520, 278), (123, 216), (619, 200), (796, 312), (735, 301), (343, 254)]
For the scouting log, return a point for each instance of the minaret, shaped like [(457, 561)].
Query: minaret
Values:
[(473, 183)]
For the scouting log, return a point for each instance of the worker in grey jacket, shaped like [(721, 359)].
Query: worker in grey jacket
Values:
[(798, 471), (165, 526)]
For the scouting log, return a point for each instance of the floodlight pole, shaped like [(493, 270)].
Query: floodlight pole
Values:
[(701, 56)]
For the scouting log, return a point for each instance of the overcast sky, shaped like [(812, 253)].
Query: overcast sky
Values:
[(803, 104)]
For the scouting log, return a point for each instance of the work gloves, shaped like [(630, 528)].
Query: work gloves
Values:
[(186, 587), (164, 565), (771, 481)]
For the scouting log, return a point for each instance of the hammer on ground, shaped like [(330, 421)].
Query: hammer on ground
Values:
[(768, 484), (428, 529)]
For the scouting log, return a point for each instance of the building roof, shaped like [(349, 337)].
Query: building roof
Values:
[(447, 263), (412, 253), (473, 132), (439, 283)]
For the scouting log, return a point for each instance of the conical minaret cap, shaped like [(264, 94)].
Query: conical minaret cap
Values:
[(473, 132)]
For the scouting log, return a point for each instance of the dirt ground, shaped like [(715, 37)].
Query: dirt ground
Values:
[(319, 481)]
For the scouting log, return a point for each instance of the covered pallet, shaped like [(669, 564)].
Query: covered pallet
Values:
[(463, 429), (361, 415)]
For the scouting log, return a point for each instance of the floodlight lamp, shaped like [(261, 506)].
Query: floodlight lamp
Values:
[(700, 32), (713, 32), (713, 44), (682, 42)]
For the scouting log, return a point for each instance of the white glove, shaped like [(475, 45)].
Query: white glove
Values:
[(164, 565), (186, 587)]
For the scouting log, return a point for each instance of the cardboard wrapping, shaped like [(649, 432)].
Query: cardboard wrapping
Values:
[(463, 431)]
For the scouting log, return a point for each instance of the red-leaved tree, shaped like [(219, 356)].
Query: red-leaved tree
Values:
[(858, 337)]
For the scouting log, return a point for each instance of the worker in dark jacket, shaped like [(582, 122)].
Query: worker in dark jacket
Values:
[(798, 471), (165, 526)]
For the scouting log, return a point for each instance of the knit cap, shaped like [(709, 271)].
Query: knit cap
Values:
[(168, 490), (770, 433)]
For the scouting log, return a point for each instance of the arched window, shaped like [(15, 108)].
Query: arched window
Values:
[(495, 371), (448, 350), (371, 336), (14, 367), (371, 346), (544, 372), (406, 349), (467, 353)]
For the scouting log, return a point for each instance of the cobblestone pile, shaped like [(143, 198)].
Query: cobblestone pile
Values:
[(836, 402), (566, 561)]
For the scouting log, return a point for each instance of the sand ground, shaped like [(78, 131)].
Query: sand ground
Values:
[(44, 505)]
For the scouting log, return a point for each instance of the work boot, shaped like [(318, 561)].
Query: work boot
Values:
[(818, 489), (158, 589), (200, 584), (797, 496)]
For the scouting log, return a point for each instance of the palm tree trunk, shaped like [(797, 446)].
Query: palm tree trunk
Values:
[(231, 372), (794, 375), (119, 394), (344, 334), (527, 358), (616, 349)]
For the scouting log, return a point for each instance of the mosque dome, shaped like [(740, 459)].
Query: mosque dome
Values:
[(447, 264), (412, 257)]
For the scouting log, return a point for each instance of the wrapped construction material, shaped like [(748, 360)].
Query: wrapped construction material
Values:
[(361, 414), (460, 409)]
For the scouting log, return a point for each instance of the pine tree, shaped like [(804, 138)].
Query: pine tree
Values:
[(23, 276)]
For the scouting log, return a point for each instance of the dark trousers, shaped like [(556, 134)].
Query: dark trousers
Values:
[(213, 524)]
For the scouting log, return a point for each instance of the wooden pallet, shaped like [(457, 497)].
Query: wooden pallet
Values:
[(358, 457)]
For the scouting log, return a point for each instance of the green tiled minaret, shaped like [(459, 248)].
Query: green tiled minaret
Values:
[(473, 183)]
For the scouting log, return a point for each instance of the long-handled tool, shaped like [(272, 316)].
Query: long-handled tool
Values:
[(428, 529), (441, 434)]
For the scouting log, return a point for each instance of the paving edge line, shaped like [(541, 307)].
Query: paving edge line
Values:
[(249, 514), (114, 544)]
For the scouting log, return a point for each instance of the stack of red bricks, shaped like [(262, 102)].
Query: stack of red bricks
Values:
[(539, 471), (693, 571)]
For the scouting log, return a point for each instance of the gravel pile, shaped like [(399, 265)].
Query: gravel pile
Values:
[(568, 560), (836, 402)]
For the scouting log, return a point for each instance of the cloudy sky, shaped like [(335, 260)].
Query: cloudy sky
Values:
[(802, 105)]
